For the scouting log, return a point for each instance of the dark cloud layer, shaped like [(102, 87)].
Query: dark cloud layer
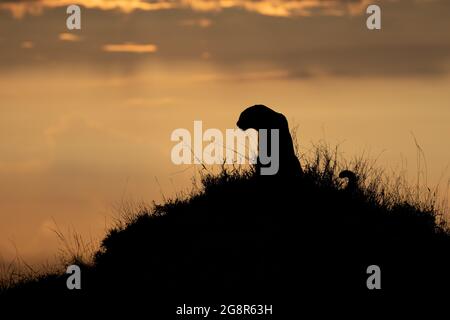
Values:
[(413, 40)]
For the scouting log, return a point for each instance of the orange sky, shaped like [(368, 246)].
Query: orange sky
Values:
[(86, 116)]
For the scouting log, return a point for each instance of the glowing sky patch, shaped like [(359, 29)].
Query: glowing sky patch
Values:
[(68, 37), (130, 47), (283, 8)]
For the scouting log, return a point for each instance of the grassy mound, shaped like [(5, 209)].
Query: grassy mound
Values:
[(248, 236)]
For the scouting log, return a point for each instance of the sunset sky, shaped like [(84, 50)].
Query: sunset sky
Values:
[(86, 115)]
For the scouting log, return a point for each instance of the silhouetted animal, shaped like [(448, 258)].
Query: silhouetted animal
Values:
[(261, 117), (352, 178)]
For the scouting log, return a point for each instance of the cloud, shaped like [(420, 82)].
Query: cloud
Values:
[(27, 45), (65, 36), (20, 8), (130, 47), (244, 76), (283, 8), (201, 22), (83, 146)]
